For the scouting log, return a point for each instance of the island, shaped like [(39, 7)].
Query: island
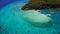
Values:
[(41, 4)]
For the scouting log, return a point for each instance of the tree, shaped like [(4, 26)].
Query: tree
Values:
[(42, 4)]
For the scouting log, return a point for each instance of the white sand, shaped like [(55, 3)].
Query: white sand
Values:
[(35, 17)]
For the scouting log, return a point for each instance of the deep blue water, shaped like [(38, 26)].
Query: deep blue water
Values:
[(12, 22), (6, 2)]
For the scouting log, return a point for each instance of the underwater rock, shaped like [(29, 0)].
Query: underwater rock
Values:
[(36, 18), (52, 12)]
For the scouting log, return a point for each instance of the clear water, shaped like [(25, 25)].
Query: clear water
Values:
[(12, 22)]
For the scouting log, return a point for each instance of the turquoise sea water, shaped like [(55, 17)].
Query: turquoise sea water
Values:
[(12, 22)]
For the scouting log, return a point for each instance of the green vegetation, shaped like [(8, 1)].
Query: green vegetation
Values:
[(38, 3)]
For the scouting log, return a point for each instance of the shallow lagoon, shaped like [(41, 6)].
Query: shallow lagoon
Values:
[(12, 22)]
